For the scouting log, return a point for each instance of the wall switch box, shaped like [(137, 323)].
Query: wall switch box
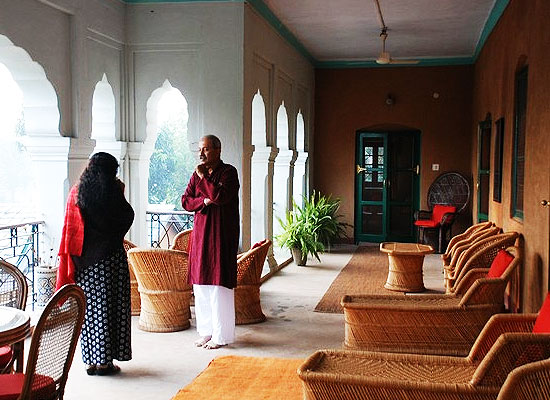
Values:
[(435, 167)]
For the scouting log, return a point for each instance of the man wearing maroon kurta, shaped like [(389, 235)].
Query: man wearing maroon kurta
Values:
[(212, 193)]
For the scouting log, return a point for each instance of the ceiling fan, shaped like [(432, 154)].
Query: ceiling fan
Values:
[(384, 57)]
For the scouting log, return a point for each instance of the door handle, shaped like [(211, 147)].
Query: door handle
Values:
[(545, 203), (417, 169), (360, 169)]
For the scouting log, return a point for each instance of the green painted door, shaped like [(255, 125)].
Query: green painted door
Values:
[(483, 169), (387, 186)]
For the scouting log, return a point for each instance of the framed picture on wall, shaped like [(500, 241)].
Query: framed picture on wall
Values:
[(497, 167)]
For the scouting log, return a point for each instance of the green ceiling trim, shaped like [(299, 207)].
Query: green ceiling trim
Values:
[(427, 62), (181, 1), (276, 23), (494, 16)]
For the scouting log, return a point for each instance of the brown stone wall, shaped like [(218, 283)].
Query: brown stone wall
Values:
[(348, 100), (521, 36)]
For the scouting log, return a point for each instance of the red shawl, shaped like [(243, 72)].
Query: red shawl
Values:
[(72, 239)]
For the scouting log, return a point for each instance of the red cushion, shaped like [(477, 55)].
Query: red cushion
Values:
[(11, 385), (427, 223), (440, 210), (255, 245), (542, 323), (499, 264), (5, 356)]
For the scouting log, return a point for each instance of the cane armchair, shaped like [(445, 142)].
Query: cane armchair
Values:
[(248, 309), (13, 293), (461, 239), (445, 324), (52, 349), (182, 241), (161, 275), (135, 301), (357, 375), (479, 255), (528, 382)]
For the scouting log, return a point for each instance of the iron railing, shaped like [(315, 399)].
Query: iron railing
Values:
[(19, 245), (164, 225)]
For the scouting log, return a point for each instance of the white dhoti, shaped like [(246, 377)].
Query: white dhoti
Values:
[(215, 312)]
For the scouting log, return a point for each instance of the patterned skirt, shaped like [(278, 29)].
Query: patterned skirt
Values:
[(106, 333)]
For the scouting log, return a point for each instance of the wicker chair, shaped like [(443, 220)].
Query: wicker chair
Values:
[(528, 382), (461, 239), (135, 300), (182, 241), (13, 293), (248, 309), (445, 324), (162, 283), (52, 349), (480, 255), (352, 375)]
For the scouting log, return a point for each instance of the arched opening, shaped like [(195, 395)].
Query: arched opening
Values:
[(104, 120), (259, 171), (46, 150)]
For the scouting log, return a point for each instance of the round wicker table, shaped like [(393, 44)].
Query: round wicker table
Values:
[(405, 265)]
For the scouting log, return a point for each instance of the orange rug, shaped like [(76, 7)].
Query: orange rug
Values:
[(246, 378)]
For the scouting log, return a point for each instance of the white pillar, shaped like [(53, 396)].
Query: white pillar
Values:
[(299, 181)]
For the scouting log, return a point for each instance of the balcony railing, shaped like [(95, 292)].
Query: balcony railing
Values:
[(19, 245), (164, 225)]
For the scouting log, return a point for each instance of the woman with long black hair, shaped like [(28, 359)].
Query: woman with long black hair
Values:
[(92, 255)]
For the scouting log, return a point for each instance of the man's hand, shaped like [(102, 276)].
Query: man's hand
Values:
[(201, 170)]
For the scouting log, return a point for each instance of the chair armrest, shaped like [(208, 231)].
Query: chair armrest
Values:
[(448, 218), (510, 351), (496, 326), (485, 291), (468, 280)]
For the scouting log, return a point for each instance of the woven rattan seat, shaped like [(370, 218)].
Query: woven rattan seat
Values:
[(134, 292), (445, 324), (479, 255), (162, 283), (182, 240), (528, 382), (248, 309), (463, 238), (13, 293), (52, 349)]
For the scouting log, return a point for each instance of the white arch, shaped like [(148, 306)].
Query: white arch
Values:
[(281, 173), (258, 120), (299, 181), (48, 150), (103, 112), (282, 127), (258, 171)]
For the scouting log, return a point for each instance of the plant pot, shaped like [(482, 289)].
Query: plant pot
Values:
[(44, 284), (299, 258)]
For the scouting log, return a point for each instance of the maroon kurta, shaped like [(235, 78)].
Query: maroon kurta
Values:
[(215, 238)]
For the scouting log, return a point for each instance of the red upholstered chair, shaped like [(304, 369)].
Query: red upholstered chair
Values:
[(52, 349), (13, 293), (438, 221)]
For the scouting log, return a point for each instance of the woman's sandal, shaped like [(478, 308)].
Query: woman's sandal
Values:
[(91, 369), (108, 369)]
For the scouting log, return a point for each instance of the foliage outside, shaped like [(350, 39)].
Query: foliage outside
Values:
[(172, 164), (312, 227)]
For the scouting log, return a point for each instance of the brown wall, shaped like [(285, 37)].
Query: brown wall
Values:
[(521, 34), (347, 100)]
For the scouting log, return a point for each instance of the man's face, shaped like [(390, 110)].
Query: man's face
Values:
[(208, 155)]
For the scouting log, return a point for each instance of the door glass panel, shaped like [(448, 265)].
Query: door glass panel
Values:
[(401, 187), (372, 219), (373, 176), (484, 194), (485, 161)]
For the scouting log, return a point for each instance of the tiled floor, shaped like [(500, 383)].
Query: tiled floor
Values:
[(165, 362)]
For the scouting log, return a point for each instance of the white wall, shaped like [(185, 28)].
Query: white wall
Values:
[(281, 73)]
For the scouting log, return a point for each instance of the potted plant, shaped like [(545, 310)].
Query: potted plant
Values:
[(310, 228)]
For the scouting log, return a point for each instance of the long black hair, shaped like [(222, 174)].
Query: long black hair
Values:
[(98, 183)]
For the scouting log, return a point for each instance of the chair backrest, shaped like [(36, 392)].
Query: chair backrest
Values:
[(54, 341), (457, 240), (482, 253), (128, 245), (13, 286), (182, 241), (528, 382), (250, 264), (457, 252), (491, 290), (449, 188), (160, 269)]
